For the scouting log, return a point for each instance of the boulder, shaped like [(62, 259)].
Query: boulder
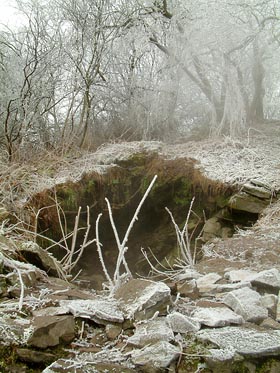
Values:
[(140, 299), (269, 301), (100, 310), (39, 257), (150, 332), (13, 328), (240, 275), (260, 191), (248, 203), (32, 356), (268, 281), (113, 331), (248, 342), (180, 323), (247, 303), (158, 355), (188, 289), (216, 316), (212, 229), (207, 283), (270, 323), (104, 361), (52, 330)]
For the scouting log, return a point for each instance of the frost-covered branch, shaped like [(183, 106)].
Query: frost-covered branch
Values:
[(122, 248)]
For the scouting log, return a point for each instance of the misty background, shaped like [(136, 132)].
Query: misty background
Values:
[(79, 73)]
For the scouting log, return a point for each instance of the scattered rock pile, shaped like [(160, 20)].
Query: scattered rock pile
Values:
[(204, 321)]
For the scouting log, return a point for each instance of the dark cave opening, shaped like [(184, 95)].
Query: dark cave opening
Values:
[(124, 185)]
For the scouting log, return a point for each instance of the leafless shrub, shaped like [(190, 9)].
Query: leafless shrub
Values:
[(115, 282), (186, 253)]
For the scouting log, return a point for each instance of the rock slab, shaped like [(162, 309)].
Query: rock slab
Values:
[(216, 316), (159, 355), (247, 303), (248, 342), (100, 310), (51, 330), (141, 298)]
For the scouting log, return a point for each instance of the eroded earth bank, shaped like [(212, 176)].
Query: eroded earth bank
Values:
[(214, 309)]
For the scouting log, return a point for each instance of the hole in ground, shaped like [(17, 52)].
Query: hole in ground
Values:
[(124, 185)]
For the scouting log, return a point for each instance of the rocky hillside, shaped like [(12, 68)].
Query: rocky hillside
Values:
[(221, 314)]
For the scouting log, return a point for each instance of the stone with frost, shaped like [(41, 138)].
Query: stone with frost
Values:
[(188, 274), (158, 355), (269, 301), (33, 356), (39, 257), (50, 331), (216, 316), (180, 323), (100, 310), (246, 202), (212, 229), (249, 342), (258, 191), (141, 298), (268, 280), (240, 275), (247, 303), (13, 330), (270, 323), (150, 332), (188, 289), (51, 311), (207, 283), (107, 360)]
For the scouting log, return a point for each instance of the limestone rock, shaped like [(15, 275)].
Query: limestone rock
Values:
[(101, 310), (150, 332), (207, 282), (52, 330), (247, 303), (240, 275), (246, 202), (212, 229), (104, 361), (248, 342), (180, 323), (216, 316), (188, 274), (269, 301), (63, 366), (259, 191), (32, 356), (39, 257), (158, 355), (113, 331), (268, 280), (141, 298), (221, 360), (270, 323), (50, 311), (13, 330), (188, 289)]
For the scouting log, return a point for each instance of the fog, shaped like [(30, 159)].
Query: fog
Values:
[(83, 73)]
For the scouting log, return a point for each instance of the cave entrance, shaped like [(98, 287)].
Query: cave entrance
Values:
[(124, 185)]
